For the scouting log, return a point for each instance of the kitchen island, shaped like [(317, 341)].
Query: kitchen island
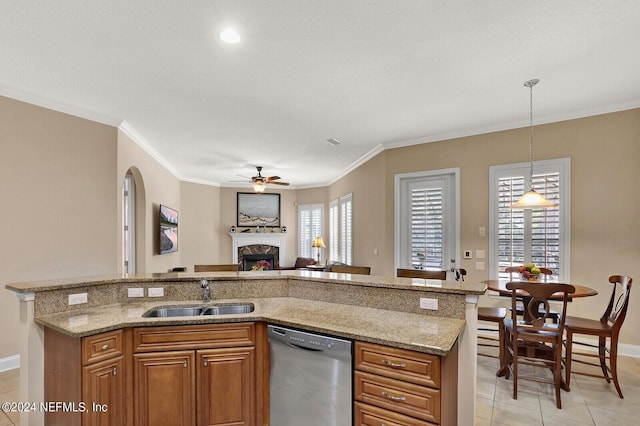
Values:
[(376, 310)]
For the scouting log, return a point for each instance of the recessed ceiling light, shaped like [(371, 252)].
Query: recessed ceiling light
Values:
[(230, 36)]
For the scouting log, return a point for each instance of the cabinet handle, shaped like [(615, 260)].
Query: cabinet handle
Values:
[(115, 371), (393, 397), (394, 364), (105, 347), (184, 363), (205, 362)]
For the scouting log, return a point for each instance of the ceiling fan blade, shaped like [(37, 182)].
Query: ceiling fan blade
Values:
[(269, 179), (275, 182)]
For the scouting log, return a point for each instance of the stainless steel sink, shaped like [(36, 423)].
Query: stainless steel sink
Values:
[(194, 311), (243, 308)]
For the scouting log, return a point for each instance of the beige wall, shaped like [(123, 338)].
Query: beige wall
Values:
[(159, 187), (605, 197), (58, 202)]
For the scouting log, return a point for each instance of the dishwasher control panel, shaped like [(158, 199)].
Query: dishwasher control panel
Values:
[(307, 340)]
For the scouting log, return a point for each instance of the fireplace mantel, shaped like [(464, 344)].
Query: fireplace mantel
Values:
[(241, 239)]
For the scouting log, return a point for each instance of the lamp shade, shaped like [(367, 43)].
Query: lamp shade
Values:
[(532, 200), (259, 187), (318, 242)]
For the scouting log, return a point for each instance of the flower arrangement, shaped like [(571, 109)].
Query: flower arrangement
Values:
[(529, 272), (261, 265)]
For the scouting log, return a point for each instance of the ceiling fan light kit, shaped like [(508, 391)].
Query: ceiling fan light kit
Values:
[(531, 199), (260, 182)]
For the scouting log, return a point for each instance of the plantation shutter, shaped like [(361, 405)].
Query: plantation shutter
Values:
[(346, 229), (309, 227), (426, 228), (532, 235), (334, 239)]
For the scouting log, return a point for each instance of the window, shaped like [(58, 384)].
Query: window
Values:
[(341, 229), (540, 236), (426, 217), (309, 227)]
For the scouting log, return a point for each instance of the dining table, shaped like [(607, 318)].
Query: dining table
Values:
[(500, 286)]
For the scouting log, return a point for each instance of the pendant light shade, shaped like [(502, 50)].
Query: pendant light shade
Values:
[(531, 199)]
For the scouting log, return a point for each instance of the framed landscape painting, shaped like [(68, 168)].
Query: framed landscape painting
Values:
[(258, 210)]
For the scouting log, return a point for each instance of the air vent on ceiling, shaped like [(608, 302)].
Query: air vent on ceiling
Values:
[(333, 142)]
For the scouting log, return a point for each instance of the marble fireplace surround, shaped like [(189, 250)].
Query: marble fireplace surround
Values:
[(252, 243)]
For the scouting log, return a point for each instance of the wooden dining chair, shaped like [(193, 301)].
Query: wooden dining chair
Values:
[(545, 274), (535, 342), (348, 269), (608, 327), (422, 273), (215, 268)]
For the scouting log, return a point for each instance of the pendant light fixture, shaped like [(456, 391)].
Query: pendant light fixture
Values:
[(532, 199)]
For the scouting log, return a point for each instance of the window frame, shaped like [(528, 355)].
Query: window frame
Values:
[(401, 212), (562, 166)]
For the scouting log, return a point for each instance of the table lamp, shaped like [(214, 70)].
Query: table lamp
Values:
[(318, 243)]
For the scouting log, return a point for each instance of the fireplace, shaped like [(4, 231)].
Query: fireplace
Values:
[(249, 243), (248, 260), (251, 254)]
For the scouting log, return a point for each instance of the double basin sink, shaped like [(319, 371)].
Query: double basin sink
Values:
[(195, 311)]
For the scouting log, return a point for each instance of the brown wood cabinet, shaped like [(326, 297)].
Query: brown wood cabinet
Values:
[(404, 388), (90, 374), (208, 374), (211, 382)]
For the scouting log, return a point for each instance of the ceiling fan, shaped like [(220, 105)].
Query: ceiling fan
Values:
[(260, 182)]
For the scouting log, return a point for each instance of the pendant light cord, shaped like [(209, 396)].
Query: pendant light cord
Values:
[(530, 85)]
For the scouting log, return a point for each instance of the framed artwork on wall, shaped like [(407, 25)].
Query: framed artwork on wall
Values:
[(168, 230), (258, 210)]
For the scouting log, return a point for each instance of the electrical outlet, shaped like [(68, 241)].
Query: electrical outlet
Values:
[(427, 303), (135, 292), (155, 292), (78, 298)]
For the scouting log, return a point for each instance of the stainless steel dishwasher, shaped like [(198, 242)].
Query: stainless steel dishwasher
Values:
[(310, 380)]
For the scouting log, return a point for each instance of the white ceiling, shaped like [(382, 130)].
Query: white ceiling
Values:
[(372, 73)]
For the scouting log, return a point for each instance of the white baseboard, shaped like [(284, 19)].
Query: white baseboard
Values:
[(9, 363)]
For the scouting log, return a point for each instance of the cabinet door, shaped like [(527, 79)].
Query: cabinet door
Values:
[(226, 386), (103, 389), (164, 388)]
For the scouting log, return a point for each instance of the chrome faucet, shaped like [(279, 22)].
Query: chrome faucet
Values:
[(206, 291)]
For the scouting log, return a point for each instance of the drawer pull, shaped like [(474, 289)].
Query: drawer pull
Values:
[(115, 371), (185, 363), (394, 364), (393, 397), (205, 362), (105, 347)]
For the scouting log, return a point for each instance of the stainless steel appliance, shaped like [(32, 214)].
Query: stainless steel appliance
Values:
[(310, 380)]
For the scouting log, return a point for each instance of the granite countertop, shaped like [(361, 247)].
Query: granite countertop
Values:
[(458, 287), (421, 333)]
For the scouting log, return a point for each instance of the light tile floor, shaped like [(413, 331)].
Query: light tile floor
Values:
[(591, 401), (9, 392)]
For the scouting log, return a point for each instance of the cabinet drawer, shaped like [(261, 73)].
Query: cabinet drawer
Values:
[(147, 339), (415, 367), (368, 415), (405, 398), (101, 346)]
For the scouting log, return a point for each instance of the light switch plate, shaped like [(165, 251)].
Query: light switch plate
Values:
[(480, 254), (427, 303), (135, 292), (155, 292), (78, 298), (466, 254)]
